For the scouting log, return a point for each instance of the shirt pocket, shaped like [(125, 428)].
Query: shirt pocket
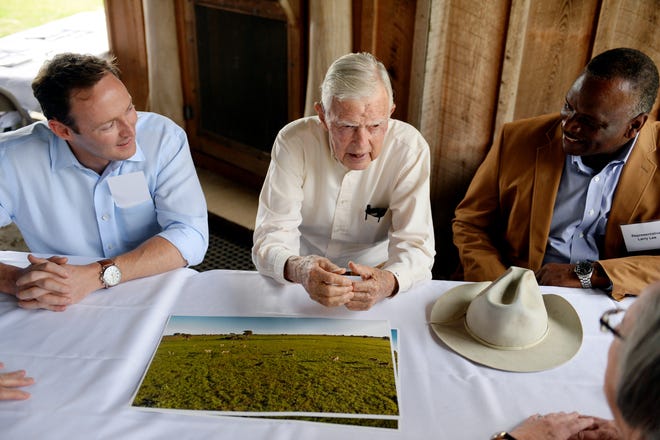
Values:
[(375, 229), (137, 223)]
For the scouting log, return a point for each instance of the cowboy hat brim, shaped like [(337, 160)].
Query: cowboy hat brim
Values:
[(560, 344)]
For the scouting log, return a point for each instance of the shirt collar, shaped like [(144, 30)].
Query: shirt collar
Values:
[(620, 159), (61, 155)]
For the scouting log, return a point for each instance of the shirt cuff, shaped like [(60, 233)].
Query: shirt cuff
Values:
[(278, 266)]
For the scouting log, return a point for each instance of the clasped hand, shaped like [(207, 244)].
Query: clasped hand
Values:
[(326, 284), (51, 283)]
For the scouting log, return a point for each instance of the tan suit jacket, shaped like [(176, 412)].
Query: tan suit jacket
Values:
[(504, 219)]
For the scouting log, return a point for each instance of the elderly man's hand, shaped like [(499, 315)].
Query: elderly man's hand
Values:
[(9, 382), (375, 285), (322, 279)]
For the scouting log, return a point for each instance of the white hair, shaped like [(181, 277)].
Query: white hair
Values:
[(354, 76), (639, 368)]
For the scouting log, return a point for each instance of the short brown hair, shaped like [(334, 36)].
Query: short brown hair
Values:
[(66, 72)]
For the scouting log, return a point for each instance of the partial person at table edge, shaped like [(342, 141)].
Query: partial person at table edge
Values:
[(98, 179), (631, 383), (11, 381), (347, 190), (554, 191)]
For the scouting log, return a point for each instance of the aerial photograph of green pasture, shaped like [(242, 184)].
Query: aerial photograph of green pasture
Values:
[(273, 366)]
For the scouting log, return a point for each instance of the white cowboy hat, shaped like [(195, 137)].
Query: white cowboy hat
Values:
[(508, 324)]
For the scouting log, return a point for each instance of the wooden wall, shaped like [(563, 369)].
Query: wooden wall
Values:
[(461, 68)]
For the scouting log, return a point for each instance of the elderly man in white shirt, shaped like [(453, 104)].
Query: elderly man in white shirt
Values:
[(347, 192)]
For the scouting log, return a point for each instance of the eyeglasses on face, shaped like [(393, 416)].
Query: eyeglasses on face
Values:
[(607, 322)]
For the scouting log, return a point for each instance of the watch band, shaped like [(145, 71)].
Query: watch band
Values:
[(585, 281), (502, 436), (108, 265), (105, 263), (584, 270)]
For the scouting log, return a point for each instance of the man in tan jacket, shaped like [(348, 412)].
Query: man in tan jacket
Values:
[(554, 191)]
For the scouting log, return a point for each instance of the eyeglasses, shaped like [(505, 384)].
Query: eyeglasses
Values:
[(608, 319)]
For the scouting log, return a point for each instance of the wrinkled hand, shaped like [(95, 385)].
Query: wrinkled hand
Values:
[(553, 426), (53, 285), (9, 383), (375, 285), (557, 274), (321, 278), (601, 429)]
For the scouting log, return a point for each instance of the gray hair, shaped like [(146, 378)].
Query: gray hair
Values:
[(354, 76), (639, 368)]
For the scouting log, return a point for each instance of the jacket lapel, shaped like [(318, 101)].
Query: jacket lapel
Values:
[(635, 179), (549, 166)]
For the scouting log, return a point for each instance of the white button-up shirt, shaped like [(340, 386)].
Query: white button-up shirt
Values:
[(311, 204)]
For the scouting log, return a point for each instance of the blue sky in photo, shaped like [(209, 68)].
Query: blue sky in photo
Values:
[(275, 325)]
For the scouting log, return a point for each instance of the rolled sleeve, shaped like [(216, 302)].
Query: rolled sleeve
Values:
[(180, 204)]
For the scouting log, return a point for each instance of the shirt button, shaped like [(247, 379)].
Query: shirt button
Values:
[(110, 247), (597, 179), (591, 212), (581, 235), (105, 217)]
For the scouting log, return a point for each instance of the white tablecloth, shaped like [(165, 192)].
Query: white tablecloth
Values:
[(88, 360), (23, 53)]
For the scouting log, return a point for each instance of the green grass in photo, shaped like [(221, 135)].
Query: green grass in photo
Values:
[(272, 373)]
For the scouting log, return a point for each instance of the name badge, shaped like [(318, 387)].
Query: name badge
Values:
[(641, 236), (129, 189)]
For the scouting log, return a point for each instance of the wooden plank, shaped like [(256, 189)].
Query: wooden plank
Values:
[(126, 36), (465, 50), (330, 36), (558, 39), (512, 64), (630, 23), (165, 93), (418, 62), (387, 31)]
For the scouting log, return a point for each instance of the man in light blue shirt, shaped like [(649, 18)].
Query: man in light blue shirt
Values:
[(101, 180)]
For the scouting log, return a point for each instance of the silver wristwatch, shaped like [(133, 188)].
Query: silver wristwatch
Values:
[(584, 270), (110, 273)]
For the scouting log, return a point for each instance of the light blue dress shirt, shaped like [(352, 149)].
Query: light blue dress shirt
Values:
[(582, 207), (64, 208)]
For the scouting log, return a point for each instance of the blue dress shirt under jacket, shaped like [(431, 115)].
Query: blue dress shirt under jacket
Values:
[(582, 207)]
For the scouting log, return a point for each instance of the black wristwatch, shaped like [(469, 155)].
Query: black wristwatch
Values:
[(110, 274), (584, 270), (502, 436)]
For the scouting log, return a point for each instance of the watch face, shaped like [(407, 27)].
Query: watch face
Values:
[(584, 268), (111, 275)]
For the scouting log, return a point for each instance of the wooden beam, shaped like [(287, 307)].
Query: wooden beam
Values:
[(464, 55), (126, 36), (386, 30), (630, 23)]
